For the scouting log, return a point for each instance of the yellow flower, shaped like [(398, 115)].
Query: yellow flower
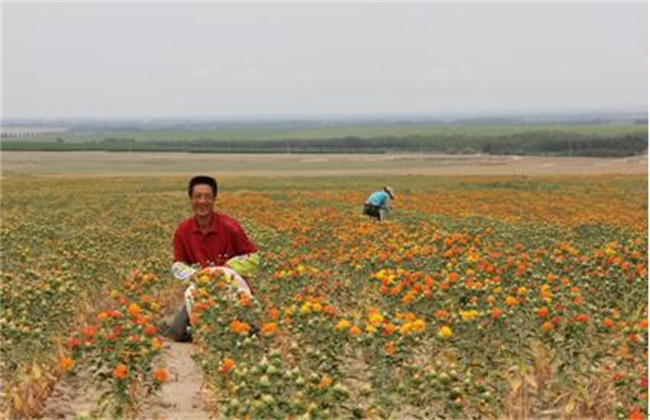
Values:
[(343, 324), (156, 343), (406, 328), (419, 325), (306, 307), (445, 332), (376, 319), (469, 315)]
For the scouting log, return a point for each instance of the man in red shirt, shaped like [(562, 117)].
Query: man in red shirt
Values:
[(208, 239)]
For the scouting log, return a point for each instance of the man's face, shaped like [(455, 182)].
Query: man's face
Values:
[(202, 200)]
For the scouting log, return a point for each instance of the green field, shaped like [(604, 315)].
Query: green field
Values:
[(602, 140), (338, 131)]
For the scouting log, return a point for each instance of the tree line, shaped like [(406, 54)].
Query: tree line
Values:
[(526, 143)]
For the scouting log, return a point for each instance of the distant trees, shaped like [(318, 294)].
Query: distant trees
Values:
[(538, 142)]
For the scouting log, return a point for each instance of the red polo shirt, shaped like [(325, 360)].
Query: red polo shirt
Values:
[(224, 240)]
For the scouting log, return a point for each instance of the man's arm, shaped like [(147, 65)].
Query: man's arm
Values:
[(244, 265), (242, 244), (246, 259)]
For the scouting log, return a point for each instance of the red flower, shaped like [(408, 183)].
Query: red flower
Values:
[(89, 331), (583, 318), (73, 342)]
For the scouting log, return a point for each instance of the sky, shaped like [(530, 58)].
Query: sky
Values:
[(198, 60)]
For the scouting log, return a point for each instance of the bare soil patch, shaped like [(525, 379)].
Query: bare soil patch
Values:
[(94, 164)]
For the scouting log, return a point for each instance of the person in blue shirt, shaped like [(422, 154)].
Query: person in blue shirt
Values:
[(378, 203)]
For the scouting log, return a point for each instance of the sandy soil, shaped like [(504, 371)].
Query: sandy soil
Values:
[(89, 164), (180, 398)]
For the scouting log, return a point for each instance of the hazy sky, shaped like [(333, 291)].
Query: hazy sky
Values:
[(118, 60)]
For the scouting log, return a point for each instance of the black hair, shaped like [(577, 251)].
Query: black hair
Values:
[(203, 180)]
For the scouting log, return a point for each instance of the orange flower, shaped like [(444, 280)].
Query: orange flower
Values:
[(160, 375), (226, 366), (239, 327), (120, 371), (325, 381), (511, 301), (441, 314), (542, 312), (269, 328), (244, 299), (636, 414), (389, 348), (66, 364), (329, 309), (134, 309), (102, 316), (547, 326), (274, 314), (608, 323), (354, 330)]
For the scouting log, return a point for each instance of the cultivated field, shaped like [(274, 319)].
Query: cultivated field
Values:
[(500, 287)]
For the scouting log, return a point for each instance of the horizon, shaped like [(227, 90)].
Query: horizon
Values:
[(578, 113)]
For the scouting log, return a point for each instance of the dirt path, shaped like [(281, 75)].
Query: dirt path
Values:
[(179, 399)]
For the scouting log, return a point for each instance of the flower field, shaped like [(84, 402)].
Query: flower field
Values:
[(492, 297)]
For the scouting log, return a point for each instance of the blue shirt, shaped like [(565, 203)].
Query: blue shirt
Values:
[(379, 199)]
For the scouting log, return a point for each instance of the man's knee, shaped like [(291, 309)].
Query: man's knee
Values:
[(179, 328)]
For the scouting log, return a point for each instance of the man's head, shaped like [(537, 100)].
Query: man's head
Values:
[(203, 192), (389, 191)]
